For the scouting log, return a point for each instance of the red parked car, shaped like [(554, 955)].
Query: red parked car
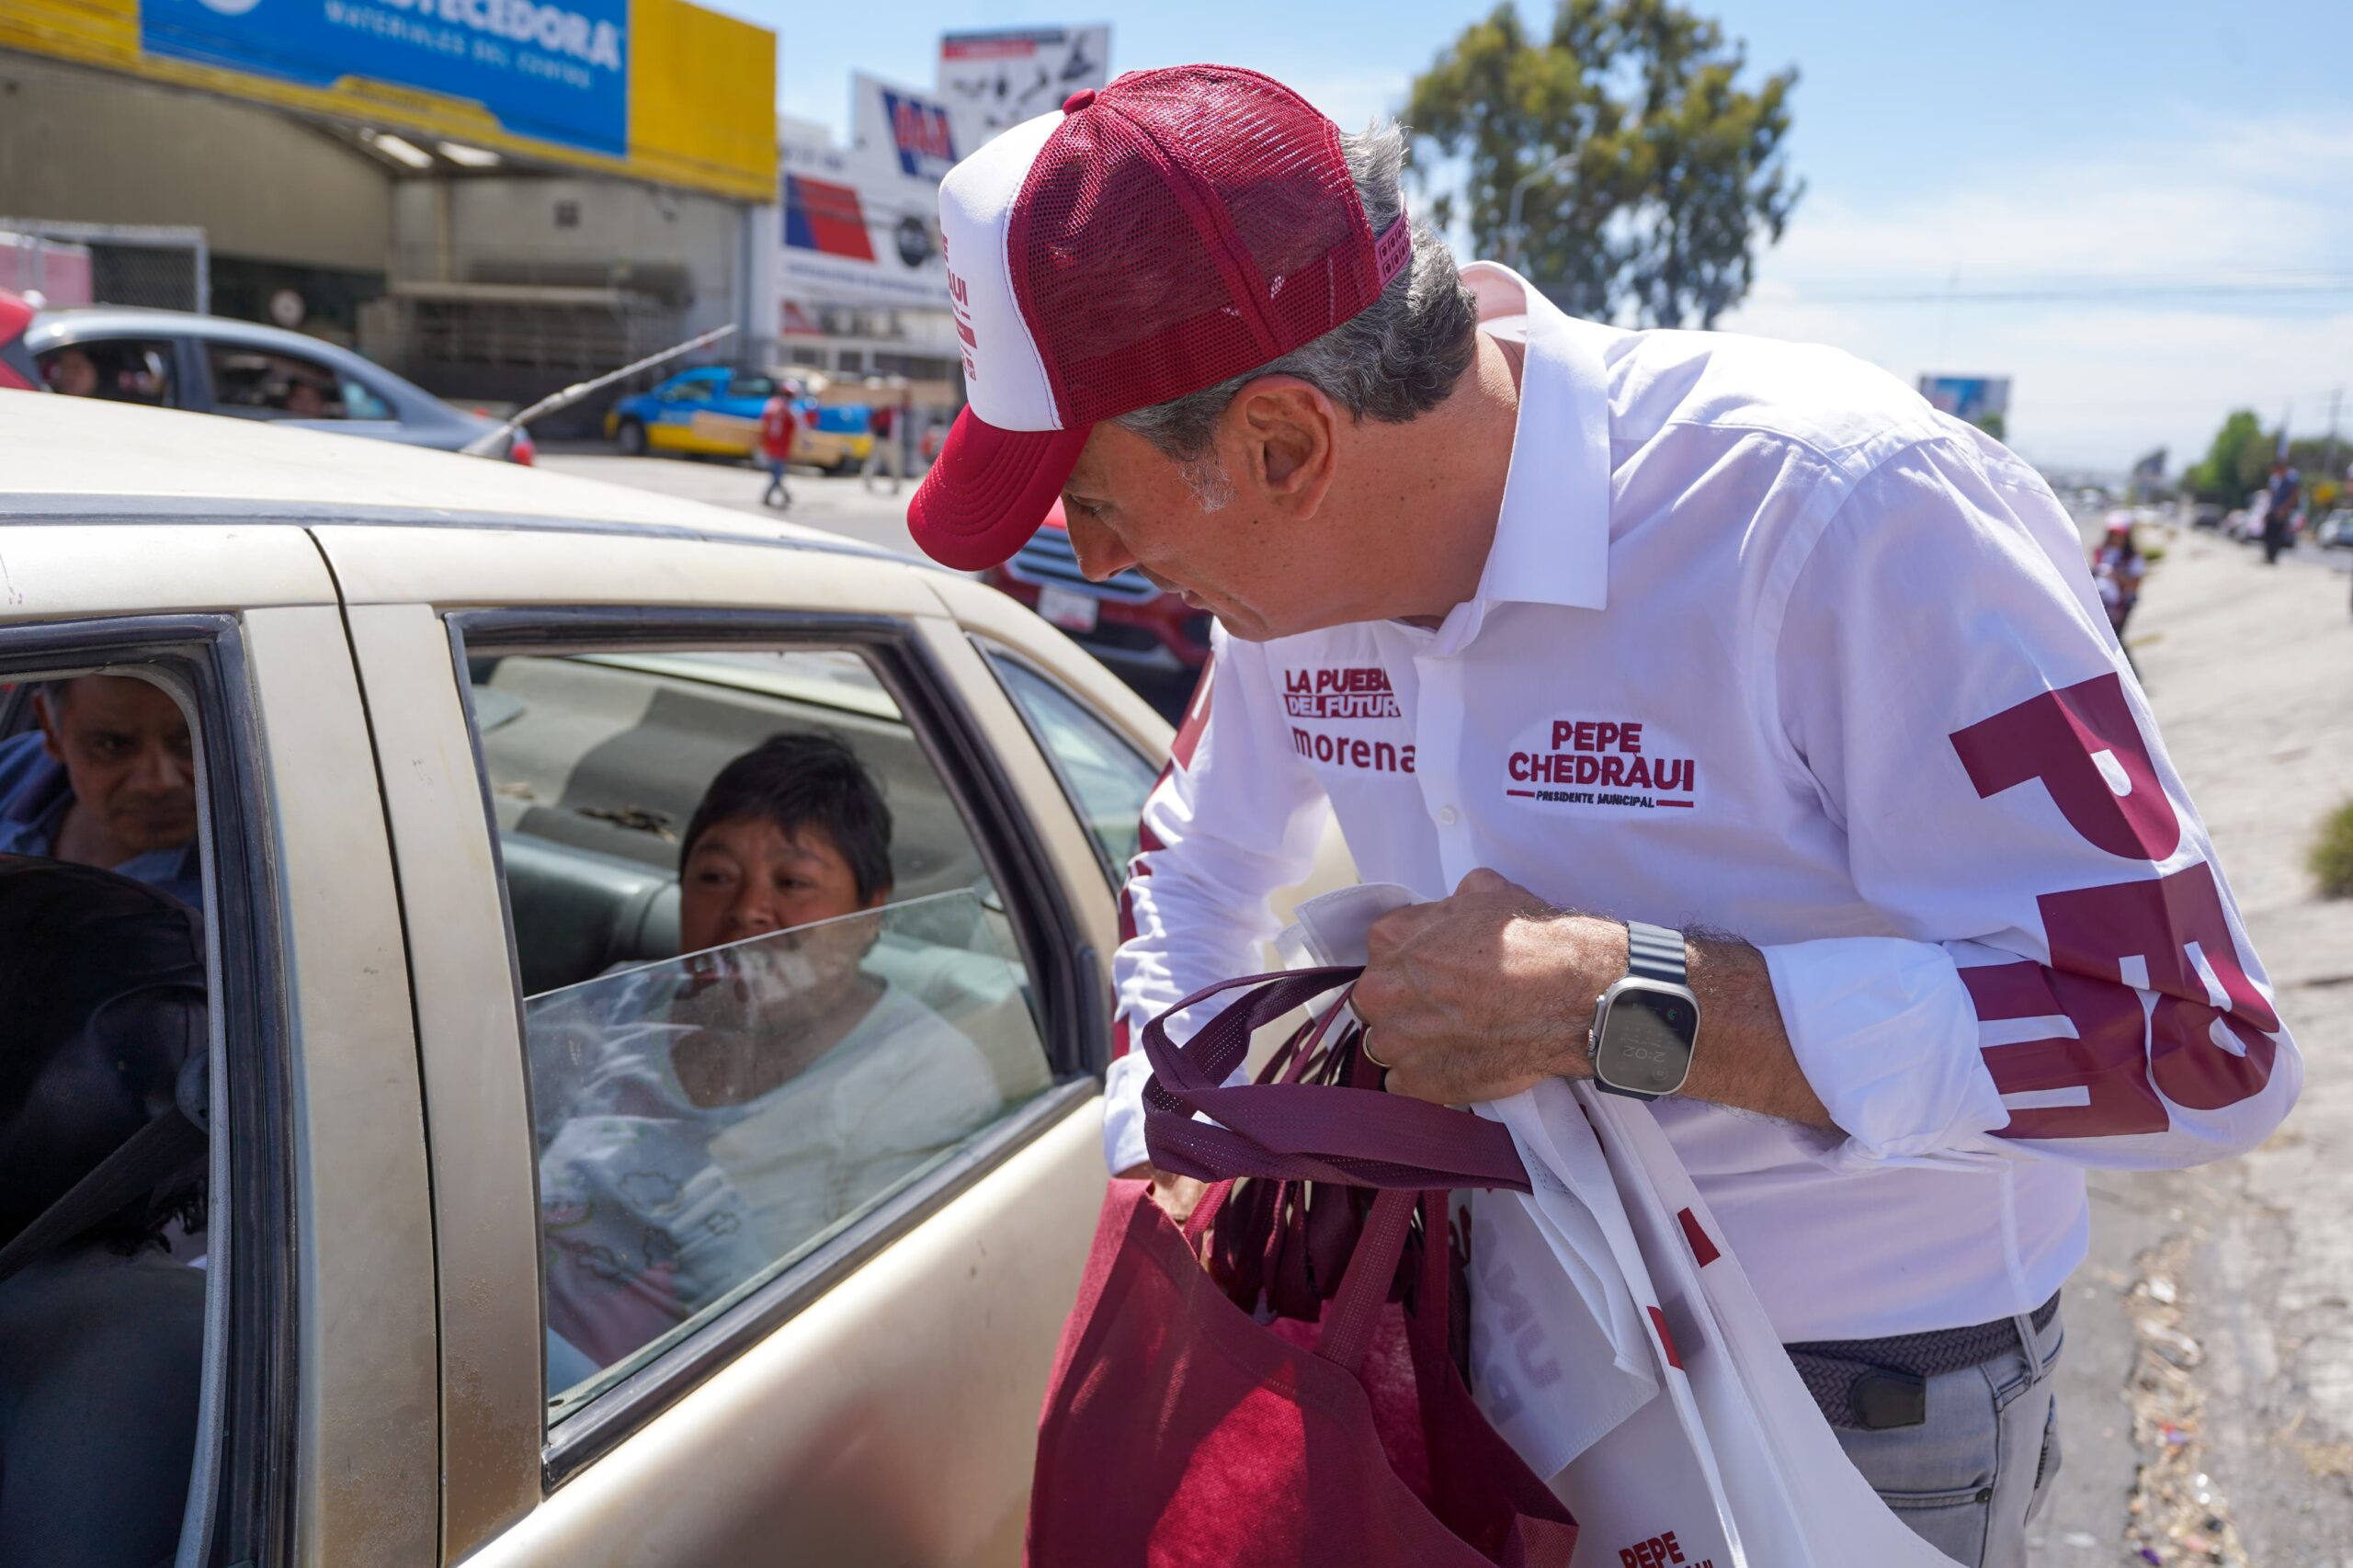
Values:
[(1147, 635)]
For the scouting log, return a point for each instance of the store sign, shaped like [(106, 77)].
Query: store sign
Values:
[(558, 72), (994, 80)]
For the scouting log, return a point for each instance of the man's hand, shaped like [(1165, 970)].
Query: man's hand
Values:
[(1484, 994), (1174, 1193), (1489, 991)]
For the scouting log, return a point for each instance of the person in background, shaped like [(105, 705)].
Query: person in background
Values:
[(109, 779), (2284, 492), (73, 374), (2116, 570), (728, 1106), (884, 422), (777, 424)]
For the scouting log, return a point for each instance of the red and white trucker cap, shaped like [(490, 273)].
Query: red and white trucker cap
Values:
[(1175, 230)]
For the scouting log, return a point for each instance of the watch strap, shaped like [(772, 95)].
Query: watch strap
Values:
[(1655, 954)]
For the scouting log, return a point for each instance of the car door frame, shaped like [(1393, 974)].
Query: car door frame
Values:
[(323, 1365), (486, 1206)]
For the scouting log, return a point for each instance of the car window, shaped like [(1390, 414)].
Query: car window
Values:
[(768, 982), (103, 1367), (119, 369), (1104, 775), (761, 387), (256, 383), (698, 391)]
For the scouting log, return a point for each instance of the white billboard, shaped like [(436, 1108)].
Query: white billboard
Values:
[(862, 223), (992, 80)]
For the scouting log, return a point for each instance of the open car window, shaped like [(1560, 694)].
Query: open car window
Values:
[(724, 1082), (705, 1122)]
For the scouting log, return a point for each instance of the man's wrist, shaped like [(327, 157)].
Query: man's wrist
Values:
[(1594, 955)]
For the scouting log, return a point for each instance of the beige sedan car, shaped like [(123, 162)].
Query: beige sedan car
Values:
[(485, 1279)]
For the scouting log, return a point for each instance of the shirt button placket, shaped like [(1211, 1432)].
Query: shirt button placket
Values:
[(1437, 744)]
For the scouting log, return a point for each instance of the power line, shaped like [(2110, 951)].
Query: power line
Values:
[(2079, 292)]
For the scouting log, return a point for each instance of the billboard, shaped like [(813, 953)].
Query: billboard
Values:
[(558, 73), (1971, 399), (992, 80), (861, 224), (651, 89), (913, 130)]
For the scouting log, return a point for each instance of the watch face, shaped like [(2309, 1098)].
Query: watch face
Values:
[(1645, 1044)]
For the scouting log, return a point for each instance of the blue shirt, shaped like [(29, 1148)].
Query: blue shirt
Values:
[(34, 796)]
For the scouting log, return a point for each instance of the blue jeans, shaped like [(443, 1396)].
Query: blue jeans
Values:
[(1969, 1478)]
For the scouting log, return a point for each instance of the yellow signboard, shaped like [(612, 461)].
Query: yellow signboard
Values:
[(656, 90)]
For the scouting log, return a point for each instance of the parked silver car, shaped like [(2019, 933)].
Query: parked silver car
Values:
[(246, 370)]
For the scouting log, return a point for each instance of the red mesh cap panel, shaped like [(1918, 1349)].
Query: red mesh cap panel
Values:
[(1187, 226)]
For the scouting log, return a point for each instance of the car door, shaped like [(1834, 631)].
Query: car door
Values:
[(543, 713), (318, 1439)]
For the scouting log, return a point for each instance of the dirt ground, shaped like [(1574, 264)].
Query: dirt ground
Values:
[(2207, 1389)]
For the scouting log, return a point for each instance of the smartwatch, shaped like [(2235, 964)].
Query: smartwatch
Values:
[(1644, 1025)]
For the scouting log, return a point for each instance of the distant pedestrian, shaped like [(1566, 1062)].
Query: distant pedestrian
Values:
[(2116, 569), (777, 424), (2285, 491), (884, 422)]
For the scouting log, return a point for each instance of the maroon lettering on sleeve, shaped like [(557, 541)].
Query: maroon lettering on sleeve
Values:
[(2060, 738), (2174, 926), (2105, 1069)]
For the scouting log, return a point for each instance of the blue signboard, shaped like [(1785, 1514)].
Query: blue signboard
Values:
[(557, 71)]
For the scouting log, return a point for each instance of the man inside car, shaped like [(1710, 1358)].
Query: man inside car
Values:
[(721, 1110), (109, 779)]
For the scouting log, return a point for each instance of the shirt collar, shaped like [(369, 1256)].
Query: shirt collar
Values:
[(1552, 544)]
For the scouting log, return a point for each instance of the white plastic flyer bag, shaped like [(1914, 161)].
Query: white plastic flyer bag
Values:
[(1617, 1345)]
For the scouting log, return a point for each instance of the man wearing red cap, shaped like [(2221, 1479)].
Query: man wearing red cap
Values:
[(1719, 682)]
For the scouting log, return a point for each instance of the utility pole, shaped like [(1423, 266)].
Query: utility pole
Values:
[(2335, 398)]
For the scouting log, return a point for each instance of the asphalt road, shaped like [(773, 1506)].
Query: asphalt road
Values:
[(2205, 1410)]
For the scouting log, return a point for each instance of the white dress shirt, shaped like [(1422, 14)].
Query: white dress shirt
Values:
[(1764, 645)]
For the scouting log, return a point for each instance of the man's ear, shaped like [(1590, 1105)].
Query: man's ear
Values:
[(1288, 432)]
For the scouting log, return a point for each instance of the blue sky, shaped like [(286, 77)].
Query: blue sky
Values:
[(2115, 155)]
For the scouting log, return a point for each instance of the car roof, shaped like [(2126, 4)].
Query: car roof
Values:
[(86, 319), (71, 458)]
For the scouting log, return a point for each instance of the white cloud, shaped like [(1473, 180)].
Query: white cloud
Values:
[(2099, 378)]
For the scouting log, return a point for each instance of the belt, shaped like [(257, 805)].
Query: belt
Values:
[(1872, 1384)]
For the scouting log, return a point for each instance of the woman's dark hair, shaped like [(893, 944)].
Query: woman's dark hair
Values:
[(804, 780)]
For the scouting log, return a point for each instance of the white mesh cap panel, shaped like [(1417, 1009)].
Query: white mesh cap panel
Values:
[(1002, 374)]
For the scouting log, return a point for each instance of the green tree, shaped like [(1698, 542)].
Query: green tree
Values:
[(1674, 170), (2236, 463)]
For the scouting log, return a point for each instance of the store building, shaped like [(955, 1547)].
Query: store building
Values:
[(493, 196)]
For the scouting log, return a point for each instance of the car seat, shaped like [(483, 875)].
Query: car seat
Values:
[(102, 1337)]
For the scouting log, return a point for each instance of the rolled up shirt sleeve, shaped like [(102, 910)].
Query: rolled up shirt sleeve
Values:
[(1234, 817), (2065, 975)]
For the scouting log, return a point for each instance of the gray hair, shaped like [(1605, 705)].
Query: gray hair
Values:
[(1393, 361)]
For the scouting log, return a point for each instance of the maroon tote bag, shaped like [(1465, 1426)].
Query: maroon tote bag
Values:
[(1190, 1424)]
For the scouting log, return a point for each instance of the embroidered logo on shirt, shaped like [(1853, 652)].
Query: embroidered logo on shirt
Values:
[(1353, 692), (1359, 693), (1599, 762)]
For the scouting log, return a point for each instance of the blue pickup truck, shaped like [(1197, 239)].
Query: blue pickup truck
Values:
[(716, 412)]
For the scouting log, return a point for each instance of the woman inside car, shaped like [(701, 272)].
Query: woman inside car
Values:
[(725, 1108)]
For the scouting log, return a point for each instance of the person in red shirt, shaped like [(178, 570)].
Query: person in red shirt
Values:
[(777, 424)]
